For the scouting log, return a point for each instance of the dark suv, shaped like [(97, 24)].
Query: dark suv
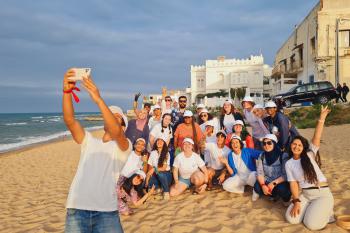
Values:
[(316, 92)]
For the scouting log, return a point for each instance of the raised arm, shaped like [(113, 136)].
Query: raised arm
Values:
[(72, 124), (316, 139), (135, 104), (112, 126)]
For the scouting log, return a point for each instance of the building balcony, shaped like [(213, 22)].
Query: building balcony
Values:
[(278, 70), (295, 68)]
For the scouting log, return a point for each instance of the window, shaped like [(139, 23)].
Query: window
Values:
[(325, 85), (313, 45), (292, 61), (251, 94), (312, 87), (258, 94), (344, 38), (311, 78), (267, 95), (301, 56), (301, 89)]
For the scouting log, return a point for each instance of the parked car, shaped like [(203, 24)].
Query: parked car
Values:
[(316, 92)]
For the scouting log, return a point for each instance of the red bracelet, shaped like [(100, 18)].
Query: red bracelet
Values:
[(71, 91)]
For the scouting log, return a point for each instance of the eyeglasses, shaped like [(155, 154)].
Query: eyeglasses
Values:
[(267, 143), (182, 101), (168, 100), (203, 115)]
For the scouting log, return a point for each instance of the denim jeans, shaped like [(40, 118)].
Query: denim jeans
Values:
[(161, 180), (86, 221), (281, 190)]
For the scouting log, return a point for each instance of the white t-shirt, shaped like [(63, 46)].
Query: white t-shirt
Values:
[(215, 152), (157, 132), (93, 186), (152, 122), (295, 171), (154, 157), (188, 165), (133, 164), (242, 169), (216, 125), (206, 152), (229, 120)]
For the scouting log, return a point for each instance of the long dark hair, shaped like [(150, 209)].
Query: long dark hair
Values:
[(195, 139), (309, 171), (128, 185), (169, 126), (163, 153), (200, 121)]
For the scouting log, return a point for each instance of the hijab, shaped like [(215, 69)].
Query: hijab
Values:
[(273, 155)]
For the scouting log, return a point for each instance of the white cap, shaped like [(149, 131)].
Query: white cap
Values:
[(188, 113), (140, 139), (258, 106), (141, 173), (210, 123), (238, 122), (116, 109), (270, 104), (228, 102), (234, 136), (189, 140), (272, 137), (156, 107), (161, 137), (247, 99), (204, 110), (221, 131), (200, 106)]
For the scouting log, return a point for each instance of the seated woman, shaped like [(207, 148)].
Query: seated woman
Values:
[(159, 174), (189, 169), (240, 130), (240, 165), (204, 117), (312, 201), (271, 173), (130, 191)]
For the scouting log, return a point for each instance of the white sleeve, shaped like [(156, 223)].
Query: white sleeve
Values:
[(199, 161), (154, 131), (177, 162), (290, 176), (86, 139), (151, 159), (314, 150)]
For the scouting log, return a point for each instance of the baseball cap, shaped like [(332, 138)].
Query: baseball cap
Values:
[(188, 113), (270, 104), (200, 106), (272, 137), (248, 99), (238, 122), (118, 110), (235, 137), (189, 140)]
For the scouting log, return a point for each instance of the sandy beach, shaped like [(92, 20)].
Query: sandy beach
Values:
[(34, 185)]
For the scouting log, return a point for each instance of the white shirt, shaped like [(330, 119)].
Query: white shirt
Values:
[(295, 171), (206, 152), (216, 125), (154, 157), (93, 186), (188, 165), (152, 122), (157, 132), (229, 120), (215, 152), (133, 164), (242, 170)]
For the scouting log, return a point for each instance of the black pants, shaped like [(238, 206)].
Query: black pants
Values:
[(344, 97)]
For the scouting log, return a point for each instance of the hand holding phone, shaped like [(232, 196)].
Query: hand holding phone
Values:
[(79, 74)]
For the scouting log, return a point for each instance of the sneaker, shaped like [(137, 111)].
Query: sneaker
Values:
[(166, 196), (255, 196)]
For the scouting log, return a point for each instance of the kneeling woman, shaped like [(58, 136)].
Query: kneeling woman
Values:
[(271, 173), (240, 165), (130, 191), (159, 175), (189, 169), (312, 199)]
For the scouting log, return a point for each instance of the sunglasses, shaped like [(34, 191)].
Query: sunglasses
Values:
[(204, 115), (267, 143), (168, 100), (182, 101)]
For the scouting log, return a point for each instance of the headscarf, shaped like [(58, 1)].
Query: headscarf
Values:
[(273, 155)]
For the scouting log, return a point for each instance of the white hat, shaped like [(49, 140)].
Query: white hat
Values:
[(210, 123), (189, 140), (221, 131), (238, 122), (234, 136), (248, 99), (272, 137), (270, 104), (228, 102), (188, 113), (204, 110), (156, 107), (118, 110), (161, 137), (258, 106), (200, 106), (141, 173), (140, 139)]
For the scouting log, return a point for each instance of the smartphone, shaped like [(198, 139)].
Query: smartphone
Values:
[(80, 73)]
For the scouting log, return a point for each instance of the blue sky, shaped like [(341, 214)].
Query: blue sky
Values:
[(131, 45)]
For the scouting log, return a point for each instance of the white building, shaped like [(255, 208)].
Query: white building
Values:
[(223, 74)]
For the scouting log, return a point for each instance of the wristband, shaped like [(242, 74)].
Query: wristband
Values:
[(71, 91)]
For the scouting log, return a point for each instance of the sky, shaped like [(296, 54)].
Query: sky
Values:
[(132, 45)]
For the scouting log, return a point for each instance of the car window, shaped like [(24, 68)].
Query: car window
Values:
[(325, 85), (312, 87), (301, 89)]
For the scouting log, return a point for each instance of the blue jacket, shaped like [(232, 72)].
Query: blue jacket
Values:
[(248, 155)]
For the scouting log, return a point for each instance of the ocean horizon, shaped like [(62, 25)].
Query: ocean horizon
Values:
[(20, 130)]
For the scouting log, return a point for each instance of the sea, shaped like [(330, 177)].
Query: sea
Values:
[(19, 130)]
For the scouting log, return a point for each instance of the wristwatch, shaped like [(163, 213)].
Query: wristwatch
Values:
[(296, 200), (274, 183)]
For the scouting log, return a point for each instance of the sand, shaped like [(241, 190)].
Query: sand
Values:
[(34, 185)]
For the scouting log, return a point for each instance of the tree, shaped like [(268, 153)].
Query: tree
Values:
[(233, 93), (240, 93)]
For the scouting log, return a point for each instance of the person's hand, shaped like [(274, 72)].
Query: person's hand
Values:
[(266, 190), (324, 112), (221, 178), (68, 85), (223, 160), (296, 209), (270, 186), (151, 191), (163, 91), (92, 89), (144, 158), (137, 96)]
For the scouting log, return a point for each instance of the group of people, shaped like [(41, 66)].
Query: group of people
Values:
[(168, 149), (342, 92)]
